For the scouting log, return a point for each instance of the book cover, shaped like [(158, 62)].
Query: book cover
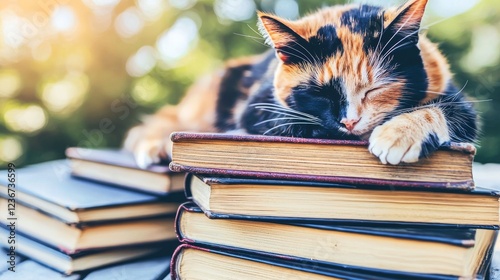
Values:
[(69, 263), (113, 157), (267, 157), (119, 168), (49, 188)]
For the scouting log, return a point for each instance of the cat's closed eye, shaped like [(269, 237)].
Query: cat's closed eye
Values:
[(371, 92), (304, 87)]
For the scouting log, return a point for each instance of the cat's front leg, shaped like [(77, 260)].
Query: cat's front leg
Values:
[(410, 136)]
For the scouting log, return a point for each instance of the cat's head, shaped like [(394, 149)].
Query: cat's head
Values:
[(352, 66)]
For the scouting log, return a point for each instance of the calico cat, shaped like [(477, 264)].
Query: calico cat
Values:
[(344, 72)]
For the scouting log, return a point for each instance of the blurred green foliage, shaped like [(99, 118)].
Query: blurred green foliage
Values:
[(83, 72)]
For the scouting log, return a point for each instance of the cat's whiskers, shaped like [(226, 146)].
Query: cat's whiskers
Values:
[(303, 57), (255, 39), (256, 32), (393, 49), (290, 124), (284, 118), (397, 32), (407, 36), (270, 106)]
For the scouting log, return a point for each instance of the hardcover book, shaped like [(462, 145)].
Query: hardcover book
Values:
[(316, 160), (81, 261), (49, 188), (461, 252), (72, 239), (243, 198), (212, 263), (118, 167)]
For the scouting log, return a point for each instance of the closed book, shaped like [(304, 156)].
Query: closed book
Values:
[(216, 263), (76, 238), (461, 252), (316, 160), (118, 167), (264, 199), (49, 188), (81, 261)]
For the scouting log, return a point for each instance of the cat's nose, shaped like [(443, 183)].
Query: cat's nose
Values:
[(349, 124)]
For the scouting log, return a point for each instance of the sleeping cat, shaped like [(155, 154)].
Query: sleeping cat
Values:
[(344, 72)]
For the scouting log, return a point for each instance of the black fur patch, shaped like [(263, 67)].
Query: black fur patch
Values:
[(367, 21), (325, 43), (364, 20), (431, 144), (229, 94), (234, 81), (460, 115)]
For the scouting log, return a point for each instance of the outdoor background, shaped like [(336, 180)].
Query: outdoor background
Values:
[(81, 72)]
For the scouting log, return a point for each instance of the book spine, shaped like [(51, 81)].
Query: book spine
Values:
[(187, 185), (176, 258), (178, 219)]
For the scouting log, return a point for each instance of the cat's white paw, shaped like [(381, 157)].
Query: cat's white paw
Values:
[(394, 143), (148, 151)]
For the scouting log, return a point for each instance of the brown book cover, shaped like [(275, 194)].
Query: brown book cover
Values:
[(319, 160)]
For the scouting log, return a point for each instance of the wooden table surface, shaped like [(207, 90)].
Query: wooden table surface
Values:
[(158, 268)]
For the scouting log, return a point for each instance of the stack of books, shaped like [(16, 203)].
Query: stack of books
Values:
[(93, 210), (272, 208)]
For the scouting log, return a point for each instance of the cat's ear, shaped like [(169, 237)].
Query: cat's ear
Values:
[(405, 21), (280, 34)]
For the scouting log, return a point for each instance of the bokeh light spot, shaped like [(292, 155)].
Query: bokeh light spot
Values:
[(287, 9), (147, 90), (129, 23), (484, 51), (176, 42), (446, 9), (182, 4), (10, 149), (65, 96), (64, 19), (29, 119), (141, 62), (151, 9), (10, 82), (235, 10)]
